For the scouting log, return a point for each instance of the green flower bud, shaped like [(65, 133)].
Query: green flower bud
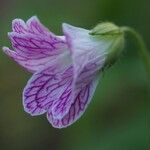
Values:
[(114, 36)]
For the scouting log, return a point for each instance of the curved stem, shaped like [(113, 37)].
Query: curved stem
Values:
[(143, 51)]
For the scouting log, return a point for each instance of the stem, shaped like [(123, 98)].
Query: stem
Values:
[(143, 51)]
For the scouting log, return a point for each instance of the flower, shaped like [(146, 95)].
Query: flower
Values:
[(66, 69)]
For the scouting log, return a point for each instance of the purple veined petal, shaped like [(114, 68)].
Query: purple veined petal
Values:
[(88, 55), (48, 85), (33, 26), (31, 65), (34, 48), (86, 50), (88, 74), (81, 102), (36, 27), (19, 26), (34, 44), (61, 107)]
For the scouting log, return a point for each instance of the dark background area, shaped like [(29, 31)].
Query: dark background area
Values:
[(118, 117)]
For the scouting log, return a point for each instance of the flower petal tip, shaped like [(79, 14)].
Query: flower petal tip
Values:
[(4, 48), (67, 26), (7, 51), (33, 18)]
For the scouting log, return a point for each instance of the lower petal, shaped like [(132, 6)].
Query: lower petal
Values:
[(77, 108), (46, 86)]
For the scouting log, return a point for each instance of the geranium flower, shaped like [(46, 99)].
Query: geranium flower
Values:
[(66, 69)]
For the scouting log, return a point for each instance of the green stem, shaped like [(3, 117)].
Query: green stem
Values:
[(143, 51)]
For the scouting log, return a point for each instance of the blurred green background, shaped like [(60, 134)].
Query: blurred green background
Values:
[(118, 118)]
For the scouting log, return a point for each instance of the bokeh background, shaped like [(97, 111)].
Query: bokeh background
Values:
[(118, 117)]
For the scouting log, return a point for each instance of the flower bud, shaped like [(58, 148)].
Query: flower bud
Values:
[(113, 36)]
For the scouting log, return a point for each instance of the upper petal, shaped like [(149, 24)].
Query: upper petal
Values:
[(88, 54), (85, 49), (34, 46), (33, 25)]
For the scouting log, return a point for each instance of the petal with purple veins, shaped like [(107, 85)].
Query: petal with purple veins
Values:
[(33, 26), (48, 85), (87, 51), (78, 107), (33, 45), (36, 27), (19, 26)]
